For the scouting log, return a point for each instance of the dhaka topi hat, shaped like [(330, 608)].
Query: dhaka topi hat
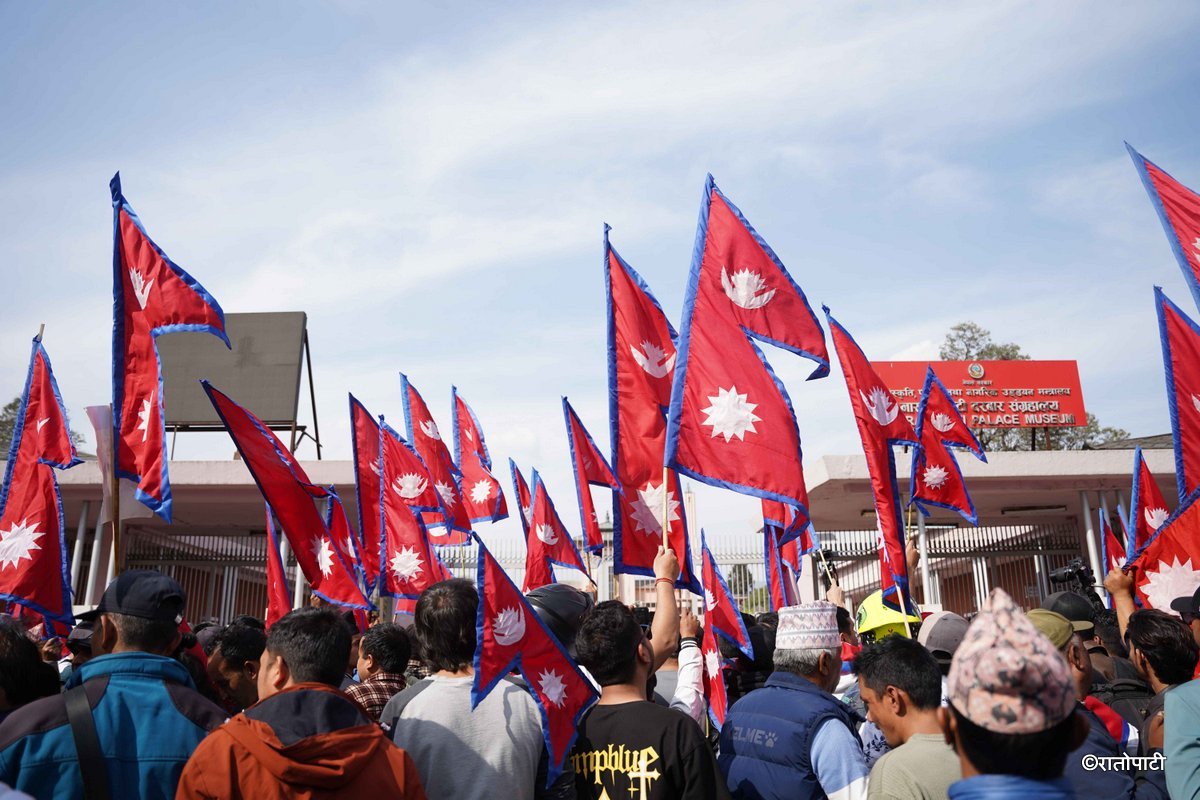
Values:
[(810, 626), (1007, 677)]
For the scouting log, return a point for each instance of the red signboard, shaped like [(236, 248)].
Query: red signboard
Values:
[(995, 394)]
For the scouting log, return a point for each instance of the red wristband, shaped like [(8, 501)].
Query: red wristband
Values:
[(657, 581)]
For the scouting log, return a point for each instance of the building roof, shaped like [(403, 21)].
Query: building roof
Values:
[(1012, 488)]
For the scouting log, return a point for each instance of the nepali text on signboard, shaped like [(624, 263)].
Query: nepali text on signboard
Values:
[(995, 394)]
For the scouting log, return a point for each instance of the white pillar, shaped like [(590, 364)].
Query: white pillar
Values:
[(1089, 531), (80, 542), (101, 545)]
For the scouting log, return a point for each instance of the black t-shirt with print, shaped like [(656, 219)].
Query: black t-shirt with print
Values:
[(643, 751)]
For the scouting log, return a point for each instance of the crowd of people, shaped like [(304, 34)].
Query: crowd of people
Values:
[(1071, 699)]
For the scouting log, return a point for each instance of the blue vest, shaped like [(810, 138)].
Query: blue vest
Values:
[(148, 717), (766, 742)]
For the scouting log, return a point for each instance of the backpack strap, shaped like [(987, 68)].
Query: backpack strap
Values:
[(87, 744)]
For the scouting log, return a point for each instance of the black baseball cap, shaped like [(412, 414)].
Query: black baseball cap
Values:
[(1072, 605), (144, 593), (1188, 604)]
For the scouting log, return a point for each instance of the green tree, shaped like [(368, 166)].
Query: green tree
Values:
[(968, 341)]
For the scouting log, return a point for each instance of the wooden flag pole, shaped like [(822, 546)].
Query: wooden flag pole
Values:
[(666, 509), (900, 591), (114, 489)]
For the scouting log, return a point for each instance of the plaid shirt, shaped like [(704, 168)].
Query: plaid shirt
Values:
[(374, 693)]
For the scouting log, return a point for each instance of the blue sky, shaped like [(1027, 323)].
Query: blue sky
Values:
[(429, 183)]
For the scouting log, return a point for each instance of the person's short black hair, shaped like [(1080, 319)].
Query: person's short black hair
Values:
[(845, 622), (314, 643), (140, 633), (241, 643), (388, 644), (24, 677), (250, 621), (1108, 631), (607, 643), (1038, 756), (444, 621), (1166, 642), (768, 619), (905, 664)]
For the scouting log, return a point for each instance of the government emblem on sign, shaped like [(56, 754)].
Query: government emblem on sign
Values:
[(975, 370)]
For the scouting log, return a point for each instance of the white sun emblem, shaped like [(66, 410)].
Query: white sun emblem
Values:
[(934, 476), (19, 541), (941, 422), (410, 485), (882, 407), (141, 287), (653, 359), (747, 289), (144, 417), (546, 534), (406, 564), (509, 627), (446, 491), (710, 600), (481, 491), (1155, 517), (647, 509), (323, 552), (712, 664), (430, 429), (553, 688), (730, 415), (1170, 581)]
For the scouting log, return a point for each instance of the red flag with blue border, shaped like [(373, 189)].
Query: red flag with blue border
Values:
[(279, 597), (721, 611), (523, 495), (880, 426), (408, 563), (1178, 209), (33, 546), (731, 422), (510, 636), (591, 469), (641, 369), (152, 295), (426, 437), (548, 540), (481, 492), (365, 440), (1147, 506), (1181, 365)]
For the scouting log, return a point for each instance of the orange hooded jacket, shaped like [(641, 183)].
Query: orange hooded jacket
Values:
[(308, 741)]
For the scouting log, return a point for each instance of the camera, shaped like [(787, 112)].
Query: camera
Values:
[(1074, 572), (1078, 578)]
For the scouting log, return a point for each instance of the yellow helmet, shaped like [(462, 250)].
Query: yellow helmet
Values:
[(879, 621)]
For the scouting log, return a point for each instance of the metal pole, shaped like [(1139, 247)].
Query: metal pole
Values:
[(80, 542), (312, 392), (923, 548), (297, 587), (1089, 532)]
